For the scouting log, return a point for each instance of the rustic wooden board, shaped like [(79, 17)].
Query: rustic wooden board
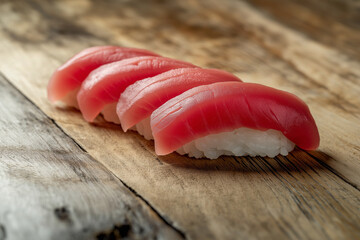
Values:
[(335, 23), (306, 195), (51, 189)]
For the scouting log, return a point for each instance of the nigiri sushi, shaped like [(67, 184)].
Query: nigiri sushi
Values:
[(66, 80), (101, 90), (230, 118), (140, 99)]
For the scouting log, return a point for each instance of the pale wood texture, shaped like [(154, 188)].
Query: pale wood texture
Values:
[(305, 195), (51, 189)]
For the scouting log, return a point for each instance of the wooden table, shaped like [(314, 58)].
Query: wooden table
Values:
[(62, 178)]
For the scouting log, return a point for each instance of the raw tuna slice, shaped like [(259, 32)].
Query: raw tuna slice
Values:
[(140, 99), (66, 80), (219, 114), (102, 88)]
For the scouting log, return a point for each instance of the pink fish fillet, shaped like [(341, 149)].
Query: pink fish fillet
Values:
[(140, 99), (226, 106), (67, 79), (101, 90)]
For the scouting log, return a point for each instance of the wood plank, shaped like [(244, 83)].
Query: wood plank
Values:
[(52, 189), (335, 23), (295, 197)]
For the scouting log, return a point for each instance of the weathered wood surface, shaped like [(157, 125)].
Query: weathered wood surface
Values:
[(334, 23), (51, 189), (306, 195)]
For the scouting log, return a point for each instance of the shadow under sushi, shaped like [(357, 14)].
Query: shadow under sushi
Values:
[(297, 161)]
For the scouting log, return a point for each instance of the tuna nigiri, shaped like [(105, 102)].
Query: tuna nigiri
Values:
[(230, 118), (101, 90), (66, 80), (140, 99)]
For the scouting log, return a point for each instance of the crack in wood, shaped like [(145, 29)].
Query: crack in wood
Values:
[(167, 221), (63, 214)]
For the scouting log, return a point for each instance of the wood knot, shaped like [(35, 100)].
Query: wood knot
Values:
[(62, 214), (117, 232)]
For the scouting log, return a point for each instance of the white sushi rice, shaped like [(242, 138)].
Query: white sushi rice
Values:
[(144, 129), (109, 113), (69, 100), (240, 142)]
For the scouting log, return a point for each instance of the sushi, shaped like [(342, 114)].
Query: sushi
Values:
[(66, 80), (184, 108), (101, 90), (140, 99), (230, 118)]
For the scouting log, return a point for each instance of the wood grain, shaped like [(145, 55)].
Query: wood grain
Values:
[(51, 189), (306, 195), (335, 23)]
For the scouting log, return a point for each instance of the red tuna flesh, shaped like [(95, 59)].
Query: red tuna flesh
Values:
[(105, 84), (140, 99), (226, 106), (69, 76)]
